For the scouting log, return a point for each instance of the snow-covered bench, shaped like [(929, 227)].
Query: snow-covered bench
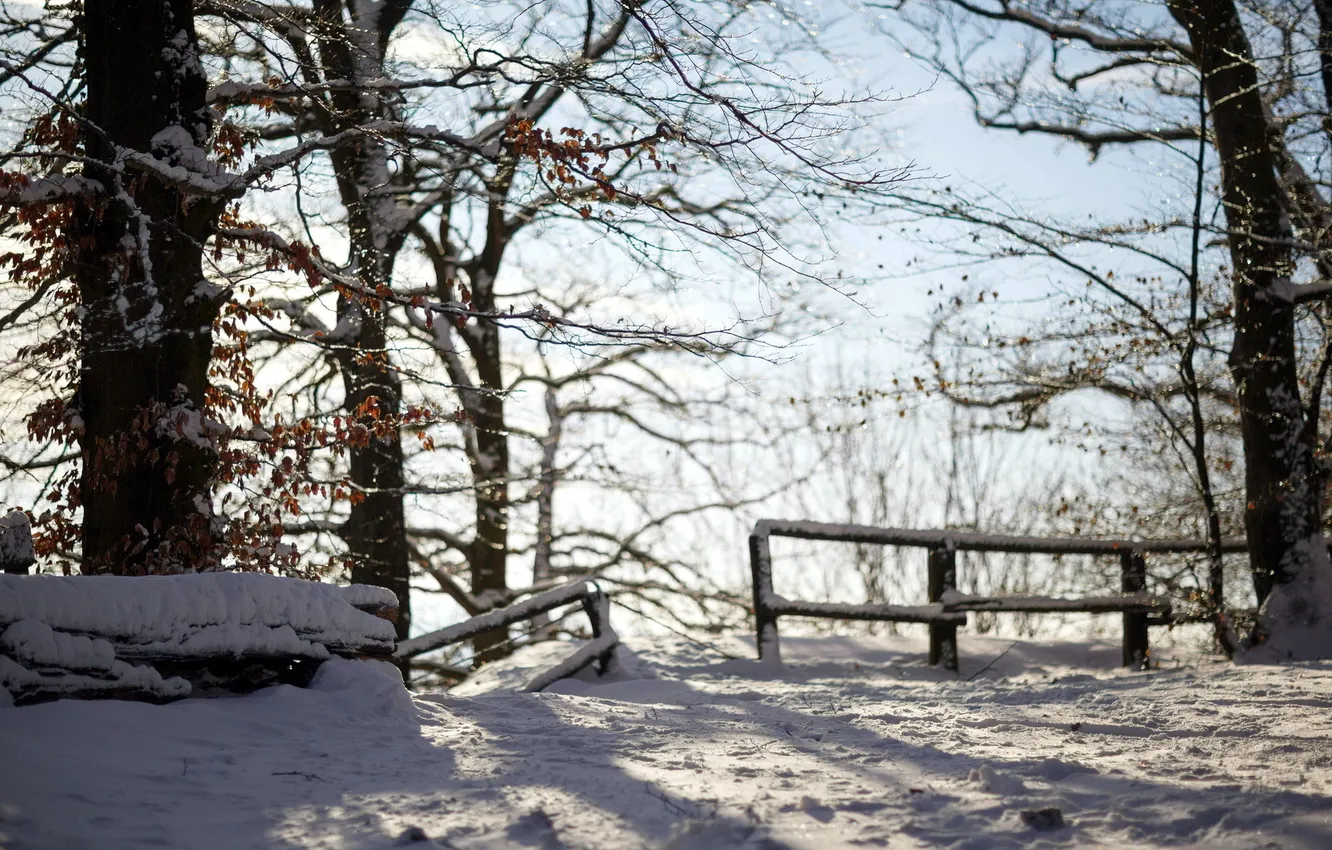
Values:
[(158, 638), (947, 608)]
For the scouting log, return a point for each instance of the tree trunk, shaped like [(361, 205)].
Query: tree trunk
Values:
[(1283, 487), (482, 429), (376, 529), (148, 458), (490, 472)]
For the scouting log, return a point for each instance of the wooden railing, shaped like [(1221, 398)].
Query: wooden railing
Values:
[(947, 608), (596, 604)]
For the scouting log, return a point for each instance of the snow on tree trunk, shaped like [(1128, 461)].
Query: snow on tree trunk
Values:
[(1296, 617), (148, 458), (1283, 484)]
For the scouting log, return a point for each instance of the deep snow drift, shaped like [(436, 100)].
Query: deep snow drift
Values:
[(854, 743)]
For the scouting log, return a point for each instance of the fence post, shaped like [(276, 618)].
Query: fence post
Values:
[(765, 622), (1133, 567), (942, 578), (597, 608)]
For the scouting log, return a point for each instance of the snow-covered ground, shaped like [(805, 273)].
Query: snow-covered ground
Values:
[(854, 743)]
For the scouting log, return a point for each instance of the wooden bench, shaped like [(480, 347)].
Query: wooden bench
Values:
[(947, 608)]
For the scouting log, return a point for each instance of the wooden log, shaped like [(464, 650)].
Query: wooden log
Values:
[(1139, 603), (238, 675), (383, 612), (525, 610), (972, 541), (44, 683), (766, 639), (933, 613), (162, 637)]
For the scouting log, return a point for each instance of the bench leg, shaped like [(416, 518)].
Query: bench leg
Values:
[(943, 636)]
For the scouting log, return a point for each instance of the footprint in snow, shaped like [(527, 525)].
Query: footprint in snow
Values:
[(812, 807), (535, 829)]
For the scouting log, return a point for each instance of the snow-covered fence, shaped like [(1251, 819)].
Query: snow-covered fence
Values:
[(159, 638), (947, 608), (596, 604)]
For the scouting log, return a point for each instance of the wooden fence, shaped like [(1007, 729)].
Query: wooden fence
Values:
[(947, 608), (596, 604)]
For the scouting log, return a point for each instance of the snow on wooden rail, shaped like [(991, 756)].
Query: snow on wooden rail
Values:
[(948, 608), (160, 637), (975, 541), (596, 604)]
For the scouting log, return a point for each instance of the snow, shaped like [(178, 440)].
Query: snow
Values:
[(57, 188), (177, 160), (1298, 614), (223, 613), (35, 645), (853, 743), (184, 422), (121, 677), (16, 540)]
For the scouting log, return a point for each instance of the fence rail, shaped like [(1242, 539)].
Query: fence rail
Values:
[(596, 604), (947, 608)]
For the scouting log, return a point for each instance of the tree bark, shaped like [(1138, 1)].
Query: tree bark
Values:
[(148, 461), (484, 436), (376, 530), (490, 472), (1283, 485)]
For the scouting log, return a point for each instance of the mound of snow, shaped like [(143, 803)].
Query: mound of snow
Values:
[(364, 687), (16, 540)]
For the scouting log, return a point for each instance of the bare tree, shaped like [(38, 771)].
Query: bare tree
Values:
[(1116, 74), (569, 130)]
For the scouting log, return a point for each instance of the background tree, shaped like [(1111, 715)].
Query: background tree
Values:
[(659, 156), (566, 128), (1110, 75), (117, 195)]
